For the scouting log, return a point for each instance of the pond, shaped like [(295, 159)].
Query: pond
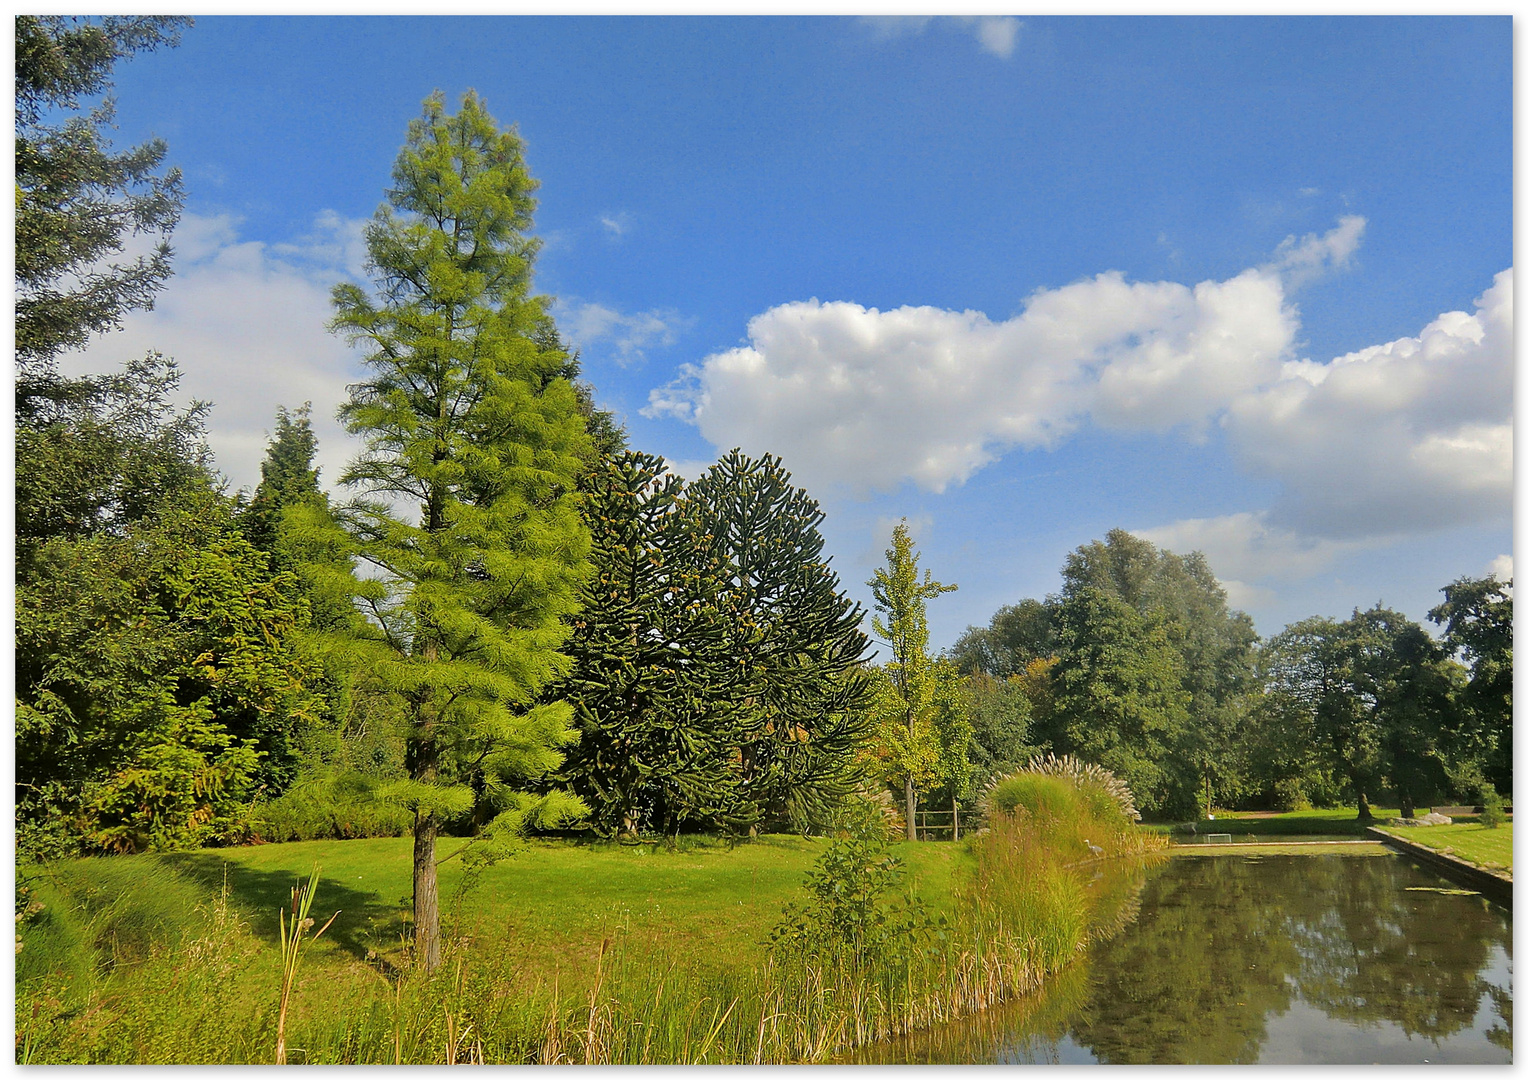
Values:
[(1286, 959)]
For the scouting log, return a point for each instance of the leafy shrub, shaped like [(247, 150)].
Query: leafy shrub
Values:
[(1493, 811), (847, 922)]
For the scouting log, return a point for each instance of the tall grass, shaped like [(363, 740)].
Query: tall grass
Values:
[(1032, 901)]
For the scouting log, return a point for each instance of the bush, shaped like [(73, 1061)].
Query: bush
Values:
[(1493, 812)]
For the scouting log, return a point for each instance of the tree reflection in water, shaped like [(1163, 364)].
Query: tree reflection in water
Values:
[(1224, 945)]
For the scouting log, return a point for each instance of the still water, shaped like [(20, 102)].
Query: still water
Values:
[(1292, 959)]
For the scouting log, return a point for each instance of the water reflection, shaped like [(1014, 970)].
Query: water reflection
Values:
[(1286, 959)]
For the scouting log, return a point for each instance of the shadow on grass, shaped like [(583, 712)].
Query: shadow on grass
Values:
[(367, 921)]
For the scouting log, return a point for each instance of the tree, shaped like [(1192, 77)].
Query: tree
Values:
[(1373, 693), (999, 713), (1018, 634), (1217, 645), (656, 694), (103, 456), (793, 634), (1119, 696), (287, 476), (902, 598), (715, 674), (465, 415), (76, 202), (1476, 616), (160, 681)]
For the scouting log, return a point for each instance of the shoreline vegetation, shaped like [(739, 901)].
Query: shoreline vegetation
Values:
[(153, 959)]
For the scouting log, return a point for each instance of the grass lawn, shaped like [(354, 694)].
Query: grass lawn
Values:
[(548, 907), (1341, 821), (1279, 849), (116, 928), (1491, 848)]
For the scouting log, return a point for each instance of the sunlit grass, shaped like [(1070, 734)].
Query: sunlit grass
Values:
[(1491, 848)]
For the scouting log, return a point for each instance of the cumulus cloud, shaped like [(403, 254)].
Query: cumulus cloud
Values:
[(629, 336), (869, 398), (1246, 548), (996, 34), (1410, 435), (246, 323), (1407, 436), (1501, 568)]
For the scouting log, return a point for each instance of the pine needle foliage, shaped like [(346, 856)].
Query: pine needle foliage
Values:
[(464, 416)]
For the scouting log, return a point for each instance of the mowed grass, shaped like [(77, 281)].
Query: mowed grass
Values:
[(1490, 848), (1360, 848), (1334, 822), (549, 908)]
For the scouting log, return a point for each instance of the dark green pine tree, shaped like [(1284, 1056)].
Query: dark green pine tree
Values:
[(287, 476), (793, 634), (76, 201), (655, 690), (465, 418)]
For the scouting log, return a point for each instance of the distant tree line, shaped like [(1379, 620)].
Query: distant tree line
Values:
[(1139, 665)]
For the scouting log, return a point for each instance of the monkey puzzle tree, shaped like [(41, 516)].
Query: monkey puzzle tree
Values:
[(792, 633), (465, 417), (654, 689)]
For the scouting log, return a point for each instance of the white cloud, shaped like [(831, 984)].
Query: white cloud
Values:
[(688, 470), (246, 323), (996, 34), (1246, 548), (869, 398), (1406, 436), (1501, 568), (616, 225), (1303, 260), (629, 335)]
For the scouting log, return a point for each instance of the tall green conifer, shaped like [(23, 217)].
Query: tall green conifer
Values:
[(902, 598), (467, 419)]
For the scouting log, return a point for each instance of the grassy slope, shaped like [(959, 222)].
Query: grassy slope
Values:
[(547, 909), (1475, 843)]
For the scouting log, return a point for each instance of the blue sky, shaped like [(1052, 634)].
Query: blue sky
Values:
[(1020, 281)]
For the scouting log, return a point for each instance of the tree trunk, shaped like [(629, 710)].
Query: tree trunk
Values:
[(1363, 808), (426, 895), (912, 808)]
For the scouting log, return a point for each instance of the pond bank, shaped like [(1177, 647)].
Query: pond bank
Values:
[(1491, 883)]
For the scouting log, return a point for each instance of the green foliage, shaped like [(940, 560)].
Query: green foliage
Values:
[(1493, 810), (159, 683), (76, 202), (999, 713), (287, 476), (1476, 616), (1017, 634), (659, 724), (714, 673), (906, 703), (102, 452), (846, 922), (1373, 695), (466, 415), (792, 633), (1119, 698)]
